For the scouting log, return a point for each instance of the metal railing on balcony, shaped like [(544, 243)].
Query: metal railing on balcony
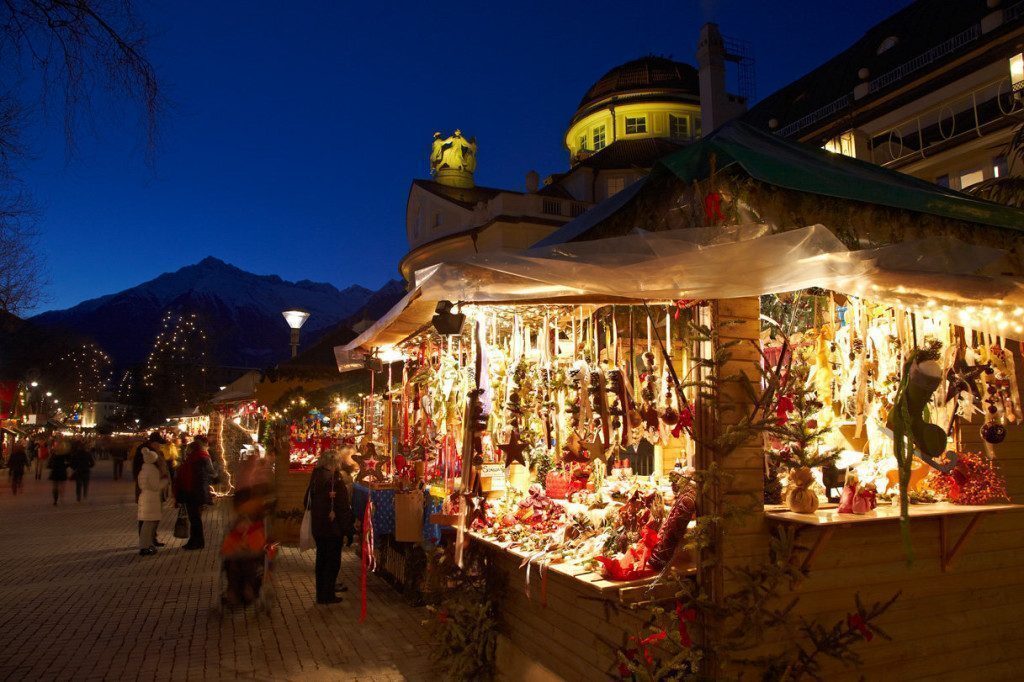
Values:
[(971, 114)]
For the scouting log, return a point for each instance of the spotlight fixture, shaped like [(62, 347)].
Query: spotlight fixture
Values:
[(446, 322)]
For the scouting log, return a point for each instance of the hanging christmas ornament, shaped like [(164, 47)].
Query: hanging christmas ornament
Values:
[(993, 432), (513, 449)]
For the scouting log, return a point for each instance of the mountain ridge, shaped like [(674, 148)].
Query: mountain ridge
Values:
[(240, 312)]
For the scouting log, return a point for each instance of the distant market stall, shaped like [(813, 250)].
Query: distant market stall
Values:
[(756, 321)]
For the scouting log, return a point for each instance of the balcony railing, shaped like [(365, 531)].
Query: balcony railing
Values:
[(971, 114)]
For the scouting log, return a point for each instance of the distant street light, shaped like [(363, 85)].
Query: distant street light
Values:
[(295, 319), (34, 384), (49, 393)]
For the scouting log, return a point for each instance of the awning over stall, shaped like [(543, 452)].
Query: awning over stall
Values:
[(715, 263), (405, 318)]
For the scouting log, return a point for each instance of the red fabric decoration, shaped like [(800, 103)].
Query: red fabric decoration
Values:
[(685, 616), (713, 207), (782, 409), (633, 564)]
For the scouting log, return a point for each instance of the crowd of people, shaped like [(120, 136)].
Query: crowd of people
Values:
[(171, 469)]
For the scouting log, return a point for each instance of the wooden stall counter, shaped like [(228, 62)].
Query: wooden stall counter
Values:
[(565, 623), (829, 520)]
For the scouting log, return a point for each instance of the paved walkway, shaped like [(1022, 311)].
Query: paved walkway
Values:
[(78, 602)]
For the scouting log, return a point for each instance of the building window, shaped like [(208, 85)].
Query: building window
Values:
[(636, 125), (599, 141), (942, 180), (696, 127), (971, 177), (842, 145), (679, 127), (1000, 168), (615, 185), (1017, 72), (583, 143), (438, 220)]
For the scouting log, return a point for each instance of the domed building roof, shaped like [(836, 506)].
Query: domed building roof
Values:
[(641, 78)]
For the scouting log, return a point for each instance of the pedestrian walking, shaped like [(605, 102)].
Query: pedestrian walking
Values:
[(58, 462), (42, 455), (330, 521), (192, 489), (151, 485), (16, 465), (82, 462), (118, 456), (171, 456)]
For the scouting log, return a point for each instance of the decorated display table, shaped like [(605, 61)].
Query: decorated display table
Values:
[(585, 576)]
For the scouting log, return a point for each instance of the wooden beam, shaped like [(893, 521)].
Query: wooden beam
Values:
[(947, 559)]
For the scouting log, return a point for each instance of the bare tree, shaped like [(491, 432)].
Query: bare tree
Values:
[(22, 276), (73, 48), (77, 47)]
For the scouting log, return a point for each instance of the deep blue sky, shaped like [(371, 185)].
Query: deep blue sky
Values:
[(295, 128)]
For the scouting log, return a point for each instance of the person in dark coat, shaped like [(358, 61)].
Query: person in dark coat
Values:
[(331, 521), (16, 465), (192, 489), (82, 462), (58, 463)]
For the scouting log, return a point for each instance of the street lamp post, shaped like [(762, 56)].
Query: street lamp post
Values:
[(295, 319)]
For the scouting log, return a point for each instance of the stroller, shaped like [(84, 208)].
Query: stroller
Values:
[(249, 554)]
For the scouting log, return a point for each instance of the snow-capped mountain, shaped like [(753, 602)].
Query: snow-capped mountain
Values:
[(239, 311)]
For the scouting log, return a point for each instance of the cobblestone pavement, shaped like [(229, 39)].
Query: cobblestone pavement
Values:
[(77, 602)]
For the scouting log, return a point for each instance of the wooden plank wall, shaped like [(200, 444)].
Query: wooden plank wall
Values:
[(962, 624), (572, 636)]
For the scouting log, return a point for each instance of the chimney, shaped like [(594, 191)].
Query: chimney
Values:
[(532, 181), (714, 104)]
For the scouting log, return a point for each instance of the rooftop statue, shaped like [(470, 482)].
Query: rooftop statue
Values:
[(453, 153)]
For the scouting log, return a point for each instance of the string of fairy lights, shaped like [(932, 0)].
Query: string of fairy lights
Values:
[(178, 351)]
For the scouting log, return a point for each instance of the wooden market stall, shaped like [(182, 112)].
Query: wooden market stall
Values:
[(742, 230)]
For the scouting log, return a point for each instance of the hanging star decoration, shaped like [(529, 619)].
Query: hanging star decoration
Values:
[(367, 461), (573, 451), (963, 377), (476, 508), (595, 450), (513, 449)]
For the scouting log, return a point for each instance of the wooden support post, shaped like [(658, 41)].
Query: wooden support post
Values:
[(947, 559), (943, 534), (819, 544)]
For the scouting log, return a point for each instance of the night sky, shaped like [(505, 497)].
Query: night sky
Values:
[(294, 129)]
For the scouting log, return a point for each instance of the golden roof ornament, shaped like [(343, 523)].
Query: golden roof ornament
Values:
[(453, 159)]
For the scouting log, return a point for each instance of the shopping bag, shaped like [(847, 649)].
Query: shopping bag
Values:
[(306, 533), (409, 516), (181, 524)]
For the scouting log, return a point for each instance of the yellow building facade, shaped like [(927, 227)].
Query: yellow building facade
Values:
[(633, 115)]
